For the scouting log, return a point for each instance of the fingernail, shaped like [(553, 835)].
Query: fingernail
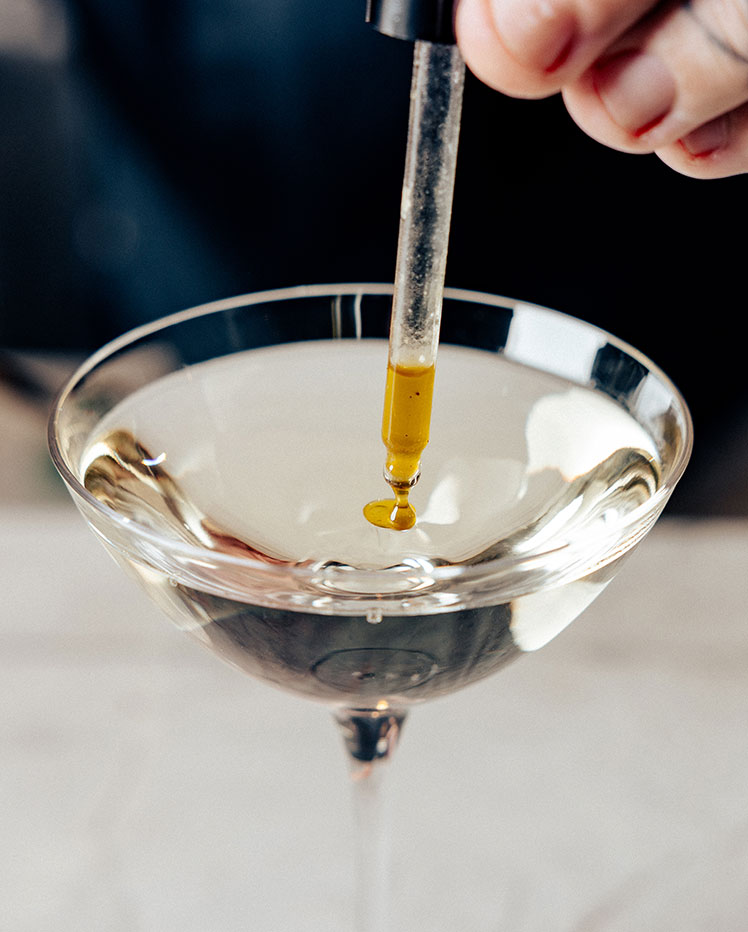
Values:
[(537, 34), (706, 139), (636, 89)]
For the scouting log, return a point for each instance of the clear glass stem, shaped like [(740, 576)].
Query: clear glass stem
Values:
[(373, 875), (370, 738)]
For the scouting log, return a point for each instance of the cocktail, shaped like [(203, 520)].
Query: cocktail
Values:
[(223, 457)]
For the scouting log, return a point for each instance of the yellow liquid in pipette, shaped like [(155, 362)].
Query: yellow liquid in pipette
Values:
[(405, 433)]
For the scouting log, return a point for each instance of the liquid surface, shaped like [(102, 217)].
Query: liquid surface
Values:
[(275, 448), (405, 434)]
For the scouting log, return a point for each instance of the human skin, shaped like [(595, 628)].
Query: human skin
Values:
[(638, 76)]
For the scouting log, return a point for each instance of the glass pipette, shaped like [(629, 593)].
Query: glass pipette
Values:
[(431, 157)]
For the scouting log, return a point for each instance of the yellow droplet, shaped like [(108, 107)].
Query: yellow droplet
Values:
[(389, 513)]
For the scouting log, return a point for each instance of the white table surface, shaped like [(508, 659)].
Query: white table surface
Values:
[(600, 784)]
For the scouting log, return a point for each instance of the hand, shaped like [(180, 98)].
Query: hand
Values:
[(636, 75)]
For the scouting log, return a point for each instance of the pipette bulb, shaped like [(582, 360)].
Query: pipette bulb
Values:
[(428, 20)]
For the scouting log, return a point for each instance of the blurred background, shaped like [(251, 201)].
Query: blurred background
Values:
[(154, 156)]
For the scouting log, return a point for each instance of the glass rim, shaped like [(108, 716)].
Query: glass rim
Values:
[(642, 515)]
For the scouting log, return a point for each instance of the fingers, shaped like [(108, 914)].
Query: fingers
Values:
[(717, 149), (532, 48), (636, 75), (668, 76)]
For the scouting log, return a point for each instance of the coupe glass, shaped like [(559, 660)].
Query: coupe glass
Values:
[(367, 639)]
